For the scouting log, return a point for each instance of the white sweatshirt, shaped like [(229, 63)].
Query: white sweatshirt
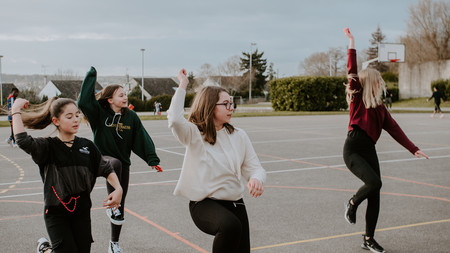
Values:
[(212, 171)]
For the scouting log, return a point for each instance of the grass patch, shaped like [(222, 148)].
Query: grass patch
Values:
[(417, 102)]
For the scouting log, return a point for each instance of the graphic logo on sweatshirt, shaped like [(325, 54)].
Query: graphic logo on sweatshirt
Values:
[(85, 150)]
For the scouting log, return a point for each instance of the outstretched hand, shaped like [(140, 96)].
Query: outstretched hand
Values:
[(419, 154), (184, 81)]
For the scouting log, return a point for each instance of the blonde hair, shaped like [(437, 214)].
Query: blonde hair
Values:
[(202, 112), (372, 86)]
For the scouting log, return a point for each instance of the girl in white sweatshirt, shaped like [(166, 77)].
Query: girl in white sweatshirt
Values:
[(218, 158)]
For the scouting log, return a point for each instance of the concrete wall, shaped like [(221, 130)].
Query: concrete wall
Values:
[(414, 80)]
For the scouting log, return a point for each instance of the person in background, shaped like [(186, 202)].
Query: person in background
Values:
[(437, 95), (9, 103)]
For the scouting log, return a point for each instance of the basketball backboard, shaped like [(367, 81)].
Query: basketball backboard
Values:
[(390, 52)]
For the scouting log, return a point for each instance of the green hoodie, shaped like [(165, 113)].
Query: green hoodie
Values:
[(115, 135)]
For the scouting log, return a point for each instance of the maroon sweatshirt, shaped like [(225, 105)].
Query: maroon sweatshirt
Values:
[(372, 120)]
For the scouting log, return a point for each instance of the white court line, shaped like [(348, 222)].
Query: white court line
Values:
[(337, 156), (268, 172)]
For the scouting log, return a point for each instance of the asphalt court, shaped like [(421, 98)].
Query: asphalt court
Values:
[(301, 209)]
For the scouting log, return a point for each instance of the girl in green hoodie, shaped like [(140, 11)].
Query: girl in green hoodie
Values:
[(117, 131)]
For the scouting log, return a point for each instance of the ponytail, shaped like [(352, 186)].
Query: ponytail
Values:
[(41, 115)]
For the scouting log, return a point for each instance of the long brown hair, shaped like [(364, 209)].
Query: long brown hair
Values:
[(107, 93), (41, 115), (202, 112)]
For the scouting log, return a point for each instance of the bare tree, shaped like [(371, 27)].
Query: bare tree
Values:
[(232, 70), (206, 70), (322, 63), (428, 31), (316, 64)]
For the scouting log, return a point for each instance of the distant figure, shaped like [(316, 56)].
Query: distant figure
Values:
[(9, 102), (388, 100), (158, 108), (437, 102)]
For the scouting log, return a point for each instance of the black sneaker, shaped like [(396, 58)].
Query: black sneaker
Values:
[(43, 245), (115, 216), (372, 245), (350, 212)]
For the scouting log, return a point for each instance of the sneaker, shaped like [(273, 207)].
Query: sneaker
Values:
[(8, 140), (13, 144), (442, 115), (432, 115), (372, 245), (350, 212), (114, 247), (116, 217), (43, 245)]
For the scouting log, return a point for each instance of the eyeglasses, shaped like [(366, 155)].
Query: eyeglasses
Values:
[(227, 105)]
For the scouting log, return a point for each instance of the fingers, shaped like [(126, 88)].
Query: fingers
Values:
[(157, 168), (255, 188)]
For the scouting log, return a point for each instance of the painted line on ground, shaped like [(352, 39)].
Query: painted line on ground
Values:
[(349, 234), (165, 230)]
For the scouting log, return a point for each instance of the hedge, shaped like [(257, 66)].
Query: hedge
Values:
[(308, 94)]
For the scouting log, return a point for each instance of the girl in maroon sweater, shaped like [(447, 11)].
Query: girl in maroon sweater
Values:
[(368, 116)]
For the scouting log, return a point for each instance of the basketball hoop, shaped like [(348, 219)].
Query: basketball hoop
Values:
[(394, 60)]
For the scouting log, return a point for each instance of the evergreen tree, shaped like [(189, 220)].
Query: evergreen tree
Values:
[(259, 66), (377, 38), (191, 79), (271, 72)]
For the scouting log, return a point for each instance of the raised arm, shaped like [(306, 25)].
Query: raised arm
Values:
[(86, 100), (181, 128), (350, 38), (16, 115)]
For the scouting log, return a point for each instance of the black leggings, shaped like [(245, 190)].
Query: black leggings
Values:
[(437, 107), (123, 173), (226, 220), (70, 232), (361, 158)]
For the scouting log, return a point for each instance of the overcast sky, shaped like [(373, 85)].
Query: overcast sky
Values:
[(38, 36)]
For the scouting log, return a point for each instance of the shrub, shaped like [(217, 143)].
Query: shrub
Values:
[(308, 94), (390, 77), (442, 85)]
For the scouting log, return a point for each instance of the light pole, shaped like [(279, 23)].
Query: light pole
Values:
[(250, 77), (1, 84), (142, 83)]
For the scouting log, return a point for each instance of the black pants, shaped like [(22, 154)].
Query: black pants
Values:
[(123, 173), (226, 220), (12, 133), (361, 158), (437, 107), (70, 232)]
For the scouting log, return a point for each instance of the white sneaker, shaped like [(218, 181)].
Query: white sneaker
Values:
[(43, 245), (115, 216), (114, 247), (442, 115), (432, 115)]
